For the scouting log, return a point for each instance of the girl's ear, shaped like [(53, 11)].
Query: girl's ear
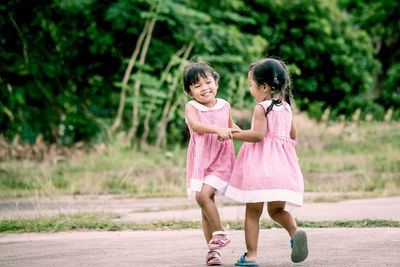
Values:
[(190, 94), (265, 88), (216, 83)]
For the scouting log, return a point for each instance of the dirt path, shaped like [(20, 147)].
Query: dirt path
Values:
[(328, 247), (145, 210)]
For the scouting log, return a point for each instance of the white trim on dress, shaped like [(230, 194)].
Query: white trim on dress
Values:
[(220, 104), (276, 107), (212, 180), (267, 195)]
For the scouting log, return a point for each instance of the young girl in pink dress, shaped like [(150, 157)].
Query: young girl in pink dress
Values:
[(210, 155), (267, 168)]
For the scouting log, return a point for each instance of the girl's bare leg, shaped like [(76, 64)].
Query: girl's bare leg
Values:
[(299, 246), (209, 211), (252, 228), (277, 212), (209, 215), (207, 228)]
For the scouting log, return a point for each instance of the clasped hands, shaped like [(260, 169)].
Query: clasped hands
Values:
[(226, 133)]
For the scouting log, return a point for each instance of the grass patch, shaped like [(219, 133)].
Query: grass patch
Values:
[(349, 156), (100, 221), (361, 157), (186, 207), (176, 207), (62, 222), (115, 170), (349, 224)]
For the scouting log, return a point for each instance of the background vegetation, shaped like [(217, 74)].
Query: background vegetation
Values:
[(94, 70), (339, 160)]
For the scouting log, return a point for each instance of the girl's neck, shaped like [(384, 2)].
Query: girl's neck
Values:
[(208, 104), (277, 97)]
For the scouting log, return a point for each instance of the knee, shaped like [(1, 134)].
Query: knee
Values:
[(254, 211), (273, 211), (201, 198)]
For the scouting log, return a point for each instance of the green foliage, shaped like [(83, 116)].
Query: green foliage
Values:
[(391, 90), (52, 76), (62, 65), (330, 61), (380, 19)]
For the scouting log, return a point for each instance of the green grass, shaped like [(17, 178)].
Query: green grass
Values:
[(116, 170), (350, 157), (357, 159), (186, 207), (104, 221), (176, 207), (61, 222)]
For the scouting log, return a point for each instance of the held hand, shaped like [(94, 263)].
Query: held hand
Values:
[(235, 130), (223, 139), (234, 126), (224, 134), (227, 133)]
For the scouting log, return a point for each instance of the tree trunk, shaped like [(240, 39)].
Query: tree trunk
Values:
[(165, 119), (135, 115), (388, 55), (125, 80), (146, 125)]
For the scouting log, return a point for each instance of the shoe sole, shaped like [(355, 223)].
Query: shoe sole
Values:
[(222, 246), (300, 247)]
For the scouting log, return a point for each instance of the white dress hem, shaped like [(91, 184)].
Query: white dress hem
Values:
[(214, 181), (267, 195)]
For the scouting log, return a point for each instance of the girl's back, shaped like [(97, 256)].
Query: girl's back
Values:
[(267, 167), (279, 119), (269, 170)]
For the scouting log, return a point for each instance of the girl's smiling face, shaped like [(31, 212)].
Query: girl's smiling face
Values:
[(205, 90)]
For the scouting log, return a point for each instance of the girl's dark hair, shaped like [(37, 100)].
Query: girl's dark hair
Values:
[(194, 70), (274, 73)]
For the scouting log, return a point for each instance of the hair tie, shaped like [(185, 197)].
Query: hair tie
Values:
[(275, 82)]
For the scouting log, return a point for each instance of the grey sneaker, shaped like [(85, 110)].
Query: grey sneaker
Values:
[(299, 246)]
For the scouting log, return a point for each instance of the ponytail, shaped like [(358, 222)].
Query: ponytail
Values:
[(274, 102), (275, 74), (287, 91), (270, 107)]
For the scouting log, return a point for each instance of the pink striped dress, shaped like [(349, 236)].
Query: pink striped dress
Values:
[(269, 170), (209, 161)]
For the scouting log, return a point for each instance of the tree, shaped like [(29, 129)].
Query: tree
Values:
[(381, 20), (330, 61), (79, 70)]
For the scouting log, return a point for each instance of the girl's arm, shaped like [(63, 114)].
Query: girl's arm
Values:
[(257, 134), (204, 128), (231, 124), (293, 131)]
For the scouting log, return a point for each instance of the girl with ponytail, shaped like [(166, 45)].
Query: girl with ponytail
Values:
[(267, 167)]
